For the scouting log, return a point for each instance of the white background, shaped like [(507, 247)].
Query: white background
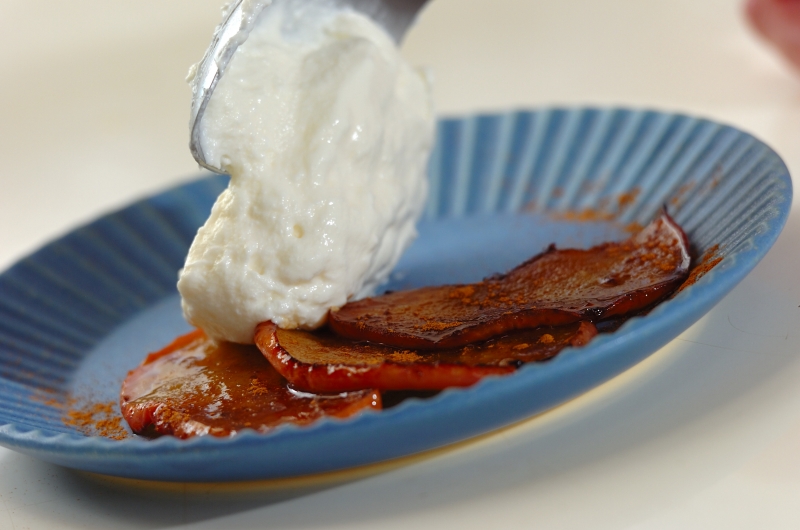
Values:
[(704, 434)]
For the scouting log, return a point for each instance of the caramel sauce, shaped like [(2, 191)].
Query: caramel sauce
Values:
[(421, 340), (196, 386)]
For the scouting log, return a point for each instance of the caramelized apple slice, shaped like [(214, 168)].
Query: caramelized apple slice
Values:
[(195, 386), (323, 362), (554, 288)]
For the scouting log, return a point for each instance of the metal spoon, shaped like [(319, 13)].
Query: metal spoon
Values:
[(395, 16)]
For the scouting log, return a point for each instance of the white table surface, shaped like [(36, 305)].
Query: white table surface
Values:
[(704, 434)]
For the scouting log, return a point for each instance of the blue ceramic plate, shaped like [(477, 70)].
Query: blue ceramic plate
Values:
[(78, 314)]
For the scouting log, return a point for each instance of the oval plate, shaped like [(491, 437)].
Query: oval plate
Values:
[(78, 314)]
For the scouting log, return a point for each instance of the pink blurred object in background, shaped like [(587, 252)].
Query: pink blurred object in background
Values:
[(778, 21)]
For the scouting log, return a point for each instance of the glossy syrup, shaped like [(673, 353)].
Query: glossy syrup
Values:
[(196, 386)]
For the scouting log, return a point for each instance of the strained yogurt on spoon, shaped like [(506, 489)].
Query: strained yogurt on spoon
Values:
[(325, 131)]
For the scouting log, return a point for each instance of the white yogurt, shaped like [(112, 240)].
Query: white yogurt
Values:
[(325, 131)]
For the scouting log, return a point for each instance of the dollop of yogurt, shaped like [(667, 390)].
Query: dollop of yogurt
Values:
[(325, 131)]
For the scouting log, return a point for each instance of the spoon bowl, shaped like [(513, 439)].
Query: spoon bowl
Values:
[(395, 16)]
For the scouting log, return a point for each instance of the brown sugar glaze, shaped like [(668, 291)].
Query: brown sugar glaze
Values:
[(555, 288), (195, 386), (323, 362), (467, 332)]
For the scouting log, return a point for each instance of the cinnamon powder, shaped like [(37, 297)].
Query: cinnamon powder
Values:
[(711, 258), (94, 419)]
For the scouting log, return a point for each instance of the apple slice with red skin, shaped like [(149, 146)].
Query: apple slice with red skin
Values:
[(323, 362), (555, 288)]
